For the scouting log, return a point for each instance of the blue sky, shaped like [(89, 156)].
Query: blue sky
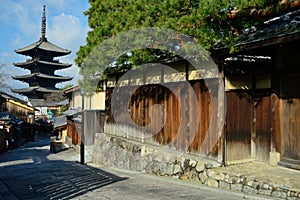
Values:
[(20, 25)]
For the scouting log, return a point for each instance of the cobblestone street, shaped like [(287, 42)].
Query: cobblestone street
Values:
[(32, 172)]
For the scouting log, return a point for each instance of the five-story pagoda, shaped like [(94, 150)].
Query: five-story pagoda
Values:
[(42, 65)]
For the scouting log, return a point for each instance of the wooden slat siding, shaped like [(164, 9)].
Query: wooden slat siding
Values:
[(213, 117), (72, 132), (291, 127), (263, 129), (196, 144), (238, 126), (69, 128), (168, 116), (146, 96), (76, 136), (276, 124), (157, 96), (109, 115), (100, 117), (205, 108), (165, 135), (175, 115)]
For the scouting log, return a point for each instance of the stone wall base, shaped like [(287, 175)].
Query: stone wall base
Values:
[(125, 154)]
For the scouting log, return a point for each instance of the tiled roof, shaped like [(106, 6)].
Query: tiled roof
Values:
[(34, 89), (13, 97), (72, 111), (56, 65), (44, 103), (284, 28), (60, 121), (43, 44), (288, 24), (45, 76)]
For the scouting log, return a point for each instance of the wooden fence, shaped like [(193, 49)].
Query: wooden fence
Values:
[(176, 113), (94, 123)]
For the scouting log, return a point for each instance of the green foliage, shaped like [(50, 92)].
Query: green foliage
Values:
[(206, 21), (62, 109)]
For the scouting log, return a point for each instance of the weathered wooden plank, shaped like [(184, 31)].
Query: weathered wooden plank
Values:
[(275, 124), (263, 129), (179, 111), (238, 126), (291, 127)]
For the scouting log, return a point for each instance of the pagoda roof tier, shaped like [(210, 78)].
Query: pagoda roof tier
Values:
[(56, 78), (35, 89), (55, 65), (43, 46)]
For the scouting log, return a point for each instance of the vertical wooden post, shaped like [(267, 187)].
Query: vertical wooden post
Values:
[(82, 134), (253, 123), (221, 118)]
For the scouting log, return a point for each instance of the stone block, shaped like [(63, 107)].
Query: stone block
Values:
[(152, 167), (146, 151), (265, 192), (177, 169), (162, 168), (211, 173), (250, 183), (220, 176), (169, 169), (212, 183), (200, 167), (202, 177), (237, 187), (208, 165), (265, 186), (249, 190), (279, 194), (184, 177), (224, 185), (192, 163), (184, 163)]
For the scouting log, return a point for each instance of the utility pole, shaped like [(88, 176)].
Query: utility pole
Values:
[(82, 130)]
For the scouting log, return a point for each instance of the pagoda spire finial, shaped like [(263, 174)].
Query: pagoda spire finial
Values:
[(43, 29)]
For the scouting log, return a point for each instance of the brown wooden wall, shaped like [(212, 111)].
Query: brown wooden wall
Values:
[(291, 127), (238, 125), (175, 114), (74, 132), (263, 120), (249, 121)]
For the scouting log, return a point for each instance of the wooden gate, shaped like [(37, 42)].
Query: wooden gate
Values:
[(262, 134), (238, 126), (248, 126), (291, 135)]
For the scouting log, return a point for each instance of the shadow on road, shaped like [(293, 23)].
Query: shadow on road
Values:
[(32, 172)]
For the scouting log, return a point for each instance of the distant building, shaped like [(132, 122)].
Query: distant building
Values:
[(42, 66), (16, 107)]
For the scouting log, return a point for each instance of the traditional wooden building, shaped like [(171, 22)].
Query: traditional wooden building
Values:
[(93, 105), (262, 83), (262, 101), (42, 65), (16, 107)]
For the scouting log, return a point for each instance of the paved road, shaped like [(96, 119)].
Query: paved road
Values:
[(32, 172)]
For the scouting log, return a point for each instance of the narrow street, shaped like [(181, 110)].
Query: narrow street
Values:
[(33, 172)]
